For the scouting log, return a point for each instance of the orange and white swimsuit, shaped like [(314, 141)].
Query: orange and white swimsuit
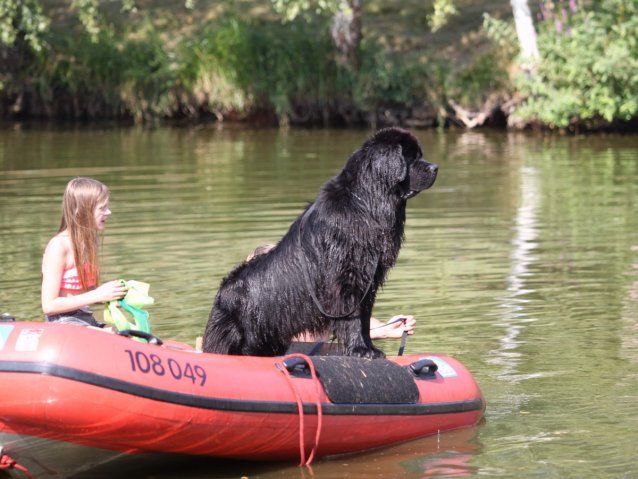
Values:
[(71, 283), (71, 280)]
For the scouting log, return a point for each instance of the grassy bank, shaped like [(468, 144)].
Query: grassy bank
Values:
[(237, 61)]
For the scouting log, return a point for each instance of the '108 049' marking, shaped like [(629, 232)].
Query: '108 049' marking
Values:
[(152, 363)]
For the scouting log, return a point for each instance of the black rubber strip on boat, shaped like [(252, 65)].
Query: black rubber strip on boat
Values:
[(225, 404)]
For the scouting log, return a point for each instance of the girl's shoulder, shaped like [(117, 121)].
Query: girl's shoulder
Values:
[(60, 243), (57, 258)]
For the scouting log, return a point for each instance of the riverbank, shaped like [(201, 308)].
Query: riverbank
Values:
[(239, 62)]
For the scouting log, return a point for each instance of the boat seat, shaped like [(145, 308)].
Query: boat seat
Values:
[(350, 380)]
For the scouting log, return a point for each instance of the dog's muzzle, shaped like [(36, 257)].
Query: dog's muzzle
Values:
[(422, 177)]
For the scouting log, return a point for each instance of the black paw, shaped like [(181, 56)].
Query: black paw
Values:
[(363, 352)]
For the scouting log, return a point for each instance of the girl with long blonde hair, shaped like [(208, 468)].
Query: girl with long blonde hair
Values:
[(70, 266)]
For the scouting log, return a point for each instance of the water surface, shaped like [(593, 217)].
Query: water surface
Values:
[(521, 261)]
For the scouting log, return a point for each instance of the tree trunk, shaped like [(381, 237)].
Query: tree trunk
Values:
[(346, 33), (526, 33)]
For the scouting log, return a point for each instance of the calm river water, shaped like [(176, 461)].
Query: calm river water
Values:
[(521, 261)]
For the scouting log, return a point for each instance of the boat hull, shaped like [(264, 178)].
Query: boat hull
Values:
[(76, 385)]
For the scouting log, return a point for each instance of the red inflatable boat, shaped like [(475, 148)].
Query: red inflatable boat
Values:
[(73, 397)]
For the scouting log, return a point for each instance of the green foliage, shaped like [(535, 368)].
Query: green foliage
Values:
[(387, 78), (476, 81), (473, 81), (88, 13), (22, 18), (443, 10), (107, 75), (149, 77), (589, 67), (207, 76), (269, 64), (91, 68), (292, 9), (502, 33)]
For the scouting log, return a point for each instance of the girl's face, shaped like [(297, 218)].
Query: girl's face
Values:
[(101, 213)]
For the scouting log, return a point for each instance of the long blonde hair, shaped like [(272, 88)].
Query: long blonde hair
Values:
[(81, 197)]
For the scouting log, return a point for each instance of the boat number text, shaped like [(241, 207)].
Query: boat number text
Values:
[(152, 363)]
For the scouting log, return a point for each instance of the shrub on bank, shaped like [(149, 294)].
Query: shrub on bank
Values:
[(232, 68), (588, 68), (77, 75), (286, 68), (288, 72)]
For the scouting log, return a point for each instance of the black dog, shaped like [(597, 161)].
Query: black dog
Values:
[(325, 272)]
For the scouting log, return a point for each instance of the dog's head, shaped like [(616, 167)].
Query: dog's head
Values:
[(397, 159)]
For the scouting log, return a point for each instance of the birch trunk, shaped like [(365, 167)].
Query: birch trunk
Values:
[(525, 31), (346, 33)]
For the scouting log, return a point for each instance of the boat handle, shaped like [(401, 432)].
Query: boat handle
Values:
[(295, 363), (141, 334), (427, 364)]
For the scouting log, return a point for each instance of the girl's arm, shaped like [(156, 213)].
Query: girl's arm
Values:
[(53, 264)]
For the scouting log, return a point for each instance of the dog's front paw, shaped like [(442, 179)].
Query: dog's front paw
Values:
[(363, 352)]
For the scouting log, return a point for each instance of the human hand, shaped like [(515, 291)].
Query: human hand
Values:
[(396, 325), (111, 291)]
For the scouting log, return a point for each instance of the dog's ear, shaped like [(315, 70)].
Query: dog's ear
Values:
[(411, 149), (389, 163)]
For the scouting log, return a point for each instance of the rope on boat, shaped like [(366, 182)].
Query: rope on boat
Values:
[(7, 462), (315, 380)]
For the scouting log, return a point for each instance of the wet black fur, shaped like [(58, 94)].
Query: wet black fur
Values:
[(340, 249)]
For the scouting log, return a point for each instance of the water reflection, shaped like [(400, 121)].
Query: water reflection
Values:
[(445, 455), (629, 312), (515, 315)]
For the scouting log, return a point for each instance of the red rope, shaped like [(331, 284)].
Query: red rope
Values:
[(7, 462), (302, 451), (318, 387)]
